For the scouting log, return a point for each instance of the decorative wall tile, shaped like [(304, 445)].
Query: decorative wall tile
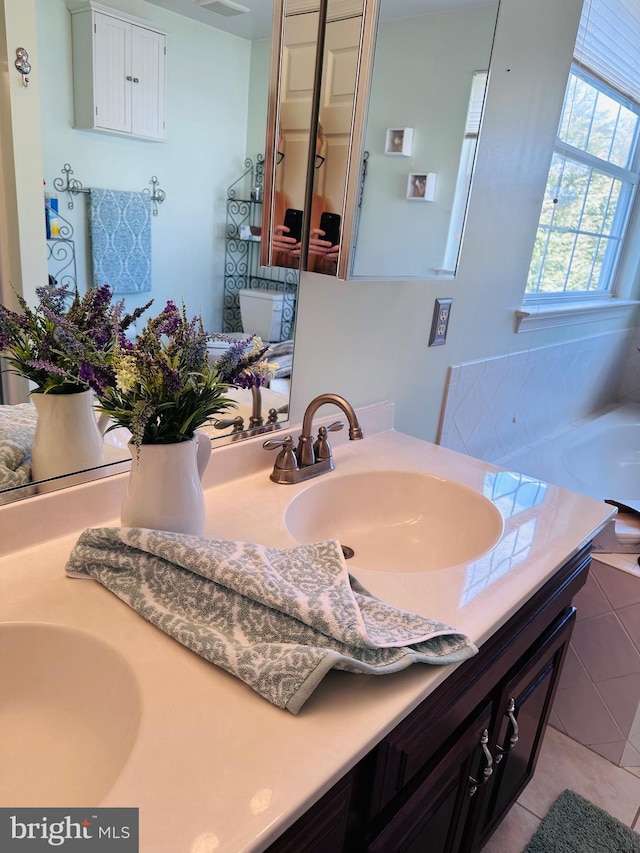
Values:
[(622, 698), (591, 600), (621, 588), (499, 405), (605, 648), (596, 726)]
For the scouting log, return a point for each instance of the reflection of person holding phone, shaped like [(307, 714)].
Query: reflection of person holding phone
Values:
[(324, 236)]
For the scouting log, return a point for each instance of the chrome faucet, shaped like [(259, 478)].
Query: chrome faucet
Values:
[(311, 458)]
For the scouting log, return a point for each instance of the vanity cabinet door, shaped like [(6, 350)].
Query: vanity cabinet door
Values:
[(435, 813), (523, 709)]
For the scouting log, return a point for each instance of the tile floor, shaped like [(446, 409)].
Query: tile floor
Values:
[(564, 763)]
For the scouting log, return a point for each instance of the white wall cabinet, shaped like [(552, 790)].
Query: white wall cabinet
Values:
[(119, 77)]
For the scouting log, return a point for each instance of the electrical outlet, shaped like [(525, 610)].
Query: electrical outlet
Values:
[(440, 322)]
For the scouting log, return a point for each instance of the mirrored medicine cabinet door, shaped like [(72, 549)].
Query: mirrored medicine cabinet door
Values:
[(370, 162)]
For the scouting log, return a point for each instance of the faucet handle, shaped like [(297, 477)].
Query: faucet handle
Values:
[(321, 447), (286, 459), (237, 423)]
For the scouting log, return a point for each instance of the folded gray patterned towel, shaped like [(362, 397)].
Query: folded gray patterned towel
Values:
[(17, 428), (279, 619)]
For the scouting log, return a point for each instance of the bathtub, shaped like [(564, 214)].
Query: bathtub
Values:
[(598, 698), (598, 456)]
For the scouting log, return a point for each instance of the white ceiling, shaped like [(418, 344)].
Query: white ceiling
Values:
[(257, 23)]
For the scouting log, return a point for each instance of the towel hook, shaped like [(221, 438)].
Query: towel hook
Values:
[(156, 195), (68, 184), (22, 64)]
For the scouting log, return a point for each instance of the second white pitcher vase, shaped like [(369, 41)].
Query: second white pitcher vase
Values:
[(67, 437), (164, 491)]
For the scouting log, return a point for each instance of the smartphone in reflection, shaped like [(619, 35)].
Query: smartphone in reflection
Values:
[(330, 224), (293, 221)]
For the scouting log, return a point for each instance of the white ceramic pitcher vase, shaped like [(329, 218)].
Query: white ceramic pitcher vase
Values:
[(164, 491), (67, 437)]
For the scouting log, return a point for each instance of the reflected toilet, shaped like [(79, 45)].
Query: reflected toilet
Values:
[(260, 313)]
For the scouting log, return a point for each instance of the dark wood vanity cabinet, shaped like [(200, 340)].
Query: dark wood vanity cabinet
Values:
[(444, 778)]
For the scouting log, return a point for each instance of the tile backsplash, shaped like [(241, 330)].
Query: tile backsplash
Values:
[(496, 406)]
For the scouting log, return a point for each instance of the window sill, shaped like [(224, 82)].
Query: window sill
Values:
[(546, 316)]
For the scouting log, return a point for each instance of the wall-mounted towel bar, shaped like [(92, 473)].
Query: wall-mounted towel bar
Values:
[(72, 186)]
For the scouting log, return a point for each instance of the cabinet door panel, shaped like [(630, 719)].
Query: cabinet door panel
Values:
[(433, 818), (526, 700), (148, 86), (112, 66)]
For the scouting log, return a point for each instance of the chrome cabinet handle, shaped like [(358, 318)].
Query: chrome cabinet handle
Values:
[(513, 740), (474, 784)]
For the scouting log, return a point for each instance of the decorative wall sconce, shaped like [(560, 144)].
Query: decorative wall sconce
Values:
[(23, 65)]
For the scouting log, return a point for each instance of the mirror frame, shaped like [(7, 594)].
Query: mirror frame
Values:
[(348, 207), (356, 154)]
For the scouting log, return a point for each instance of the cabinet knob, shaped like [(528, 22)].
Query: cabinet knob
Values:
[(136, 80), (129, 78), (487, 772)]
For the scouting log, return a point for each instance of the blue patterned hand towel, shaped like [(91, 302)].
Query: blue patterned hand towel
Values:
[(120, 229), (279, 619)]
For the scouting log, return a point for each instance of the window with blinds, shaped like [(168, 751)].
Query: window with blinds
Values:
[(594, 176)]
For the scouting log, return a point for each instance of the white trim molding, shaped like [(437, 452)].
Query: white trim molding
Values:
[(539, 317)]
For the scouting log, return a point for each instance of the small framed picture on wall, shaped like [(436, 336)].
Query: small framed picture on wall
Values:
[(399, 141), (421, 186)]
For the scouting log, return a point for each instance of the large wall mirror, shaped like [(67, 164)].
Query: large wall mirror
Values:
[(398, 119), (337, 153), (204, 248)]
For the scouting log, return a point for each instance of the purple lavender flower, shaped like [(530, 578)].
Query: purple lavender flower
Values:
[(168, 321), (173, 382), (46, 366), (64, 349)]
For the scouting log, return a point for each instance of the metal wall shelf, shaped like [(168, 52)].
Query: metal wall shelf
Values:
[(242, 256)]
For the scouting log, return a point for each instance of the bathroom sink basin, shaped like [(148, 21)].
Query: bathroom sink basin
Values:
[(69, 715), (396, 521)]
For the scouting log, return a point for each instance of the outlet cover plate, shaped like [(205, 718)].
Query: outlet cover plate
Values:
[(440, 322)]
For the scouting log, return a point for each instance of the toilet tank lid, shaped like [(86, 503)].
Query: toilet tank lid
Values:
[(256, 293)]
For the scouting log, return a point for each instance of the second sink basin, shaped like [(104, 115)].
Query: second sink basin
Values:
[(69, 714), (396, 521)]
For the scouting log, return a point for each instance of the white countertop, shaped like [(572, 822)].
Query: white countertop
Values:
[(217, 768)]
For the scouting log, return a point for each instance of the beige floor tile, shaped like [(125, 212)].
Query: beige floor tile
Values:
[(514, 833), (563, 763), (634, 770)]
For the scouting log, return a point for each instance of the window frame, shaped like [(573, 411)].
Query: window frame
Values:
[(626, 205)]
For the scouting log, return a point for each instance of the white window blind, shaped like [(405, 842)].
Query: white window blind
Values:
[(476, 100), (607, 43)]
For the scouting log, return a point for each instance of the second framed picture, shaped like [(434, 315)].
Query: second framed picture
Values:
[(399, 141)]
